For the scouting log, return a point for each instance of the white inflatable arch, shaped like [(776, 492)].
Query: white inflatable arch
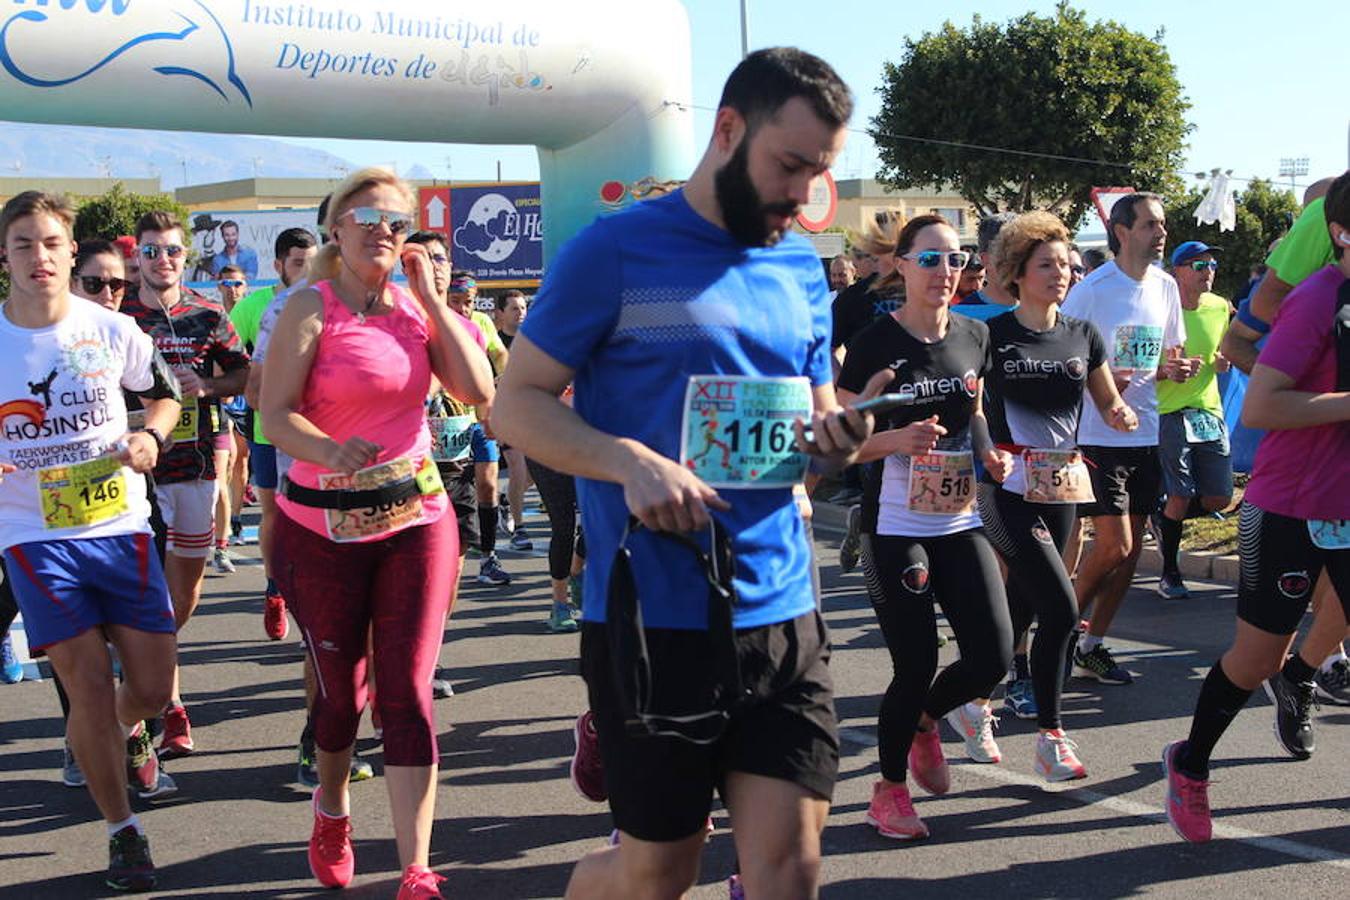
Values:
[(601, 87)]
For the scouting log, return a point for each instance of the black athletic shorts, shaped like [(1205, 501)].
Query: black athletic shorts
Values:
[(660, 788), (458, 480), (1280, 565), (1124, 480)]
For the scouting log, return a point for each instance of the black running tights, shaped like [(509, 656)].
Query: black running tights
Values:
[(559, 493), (904, 577), (1031, 537)]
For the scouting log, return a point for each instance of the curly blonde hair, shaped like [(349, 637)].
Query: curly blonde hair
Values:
[(1018, 240)]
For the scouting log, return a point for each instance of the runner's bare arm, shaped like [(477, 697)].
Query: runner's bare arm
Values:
[(1239, 345), (139, 449), (998, 463), (1272, 403), (455, 357), (1268, 296), (290, 356), (1109, 403), (253, 386), (529, 415)]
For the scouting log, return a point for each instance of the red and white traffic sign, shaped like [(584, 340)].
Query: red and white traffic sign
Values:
[(433, 204), (819, 212)]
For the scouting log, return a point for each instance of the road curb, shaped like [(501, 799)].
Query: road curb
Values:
[(832, 519)]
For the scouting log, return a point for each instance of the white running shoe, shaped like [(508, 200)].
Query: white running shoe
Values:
[(1055, 757), (975, 724)]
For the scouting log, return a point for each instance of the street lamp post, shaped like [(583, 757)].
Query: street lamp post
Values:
[(1292, 167), (745, 28)]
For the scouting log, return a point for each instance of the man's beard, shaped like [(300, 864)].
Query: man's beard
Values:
[(743, 210)]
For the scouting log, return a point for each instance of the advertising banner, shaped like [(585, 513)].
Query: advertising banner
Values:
[(497, 234), (245, 238)]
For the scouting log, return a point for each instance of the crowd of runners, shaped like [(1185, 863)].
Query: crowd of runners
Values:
[(687, 370)]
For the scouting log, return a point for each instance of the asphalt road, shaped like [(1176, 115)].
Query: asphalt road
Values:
[(509, 824)]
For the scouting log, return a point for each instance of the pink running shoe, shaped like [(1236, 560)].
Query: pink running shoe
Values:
[(928, 765), (1187, 799), (420, 883), (588, 773), (892, 813), (330, 849)]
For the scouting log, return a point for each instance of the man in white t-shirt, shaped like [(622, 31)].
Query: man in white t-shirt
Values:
[(1137, 308), (74, 517)]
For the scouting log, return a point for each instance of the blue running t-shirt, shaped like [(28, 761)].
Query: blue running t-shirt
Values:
[(637, 303)]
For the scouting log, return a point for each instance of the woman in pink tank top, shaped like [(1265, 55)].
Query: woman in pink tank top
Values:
[(366, 539)]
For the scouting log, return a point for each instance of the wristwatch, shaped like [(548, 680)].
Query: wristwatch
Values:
[(164, 442)]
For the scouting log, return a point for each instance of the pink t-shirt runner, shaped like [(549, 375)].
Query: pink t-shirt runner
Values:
[(368, 379), (1301, 472)]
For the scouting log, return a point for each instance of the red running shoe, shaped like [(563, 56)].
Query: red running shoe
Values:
[(419, 883), (142, 764), (928, 765), (330, 849), (177, 738), (588, 772), (274, 616)]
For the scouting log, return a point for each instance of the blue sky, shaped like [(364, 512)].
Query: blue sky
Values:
[(1264, 82)]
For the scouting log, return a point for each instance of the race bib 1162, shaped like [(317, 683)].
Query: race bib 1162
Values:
[(737, 430)]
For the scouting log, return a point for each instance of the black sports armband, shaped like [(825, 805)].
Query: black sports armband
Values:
[(164, 384), (980, 441)]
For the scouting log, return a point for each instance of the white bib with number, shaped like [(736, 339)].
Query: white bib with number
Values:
[(1202, 426), (349, 525), (737, 430), (1056, 476), (451, 437), (942, 483)]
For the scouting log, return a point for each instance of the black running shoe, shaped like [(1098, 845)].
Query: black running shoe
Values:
[(1293, 714), (129, 865)]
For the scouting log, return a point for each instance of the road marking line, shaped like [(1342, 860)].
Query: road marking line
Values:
[(1132, 808)]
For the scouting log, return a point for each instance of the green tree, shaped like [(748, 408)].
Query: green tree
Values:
[(116, 211), (1056, 88), (1263, 214)]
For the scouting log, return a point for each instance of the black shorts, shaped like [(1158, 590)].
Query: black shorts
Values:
[(1124, 480), (1280, 566), (660, 788), (458, 480)]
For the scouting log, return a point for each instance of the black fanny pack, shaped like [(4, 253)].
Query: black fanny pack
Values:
[(395, 492), (632, 670)]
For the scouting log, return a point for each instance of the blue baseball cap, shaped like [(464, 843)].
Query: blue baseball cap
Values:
[(1190, 250)]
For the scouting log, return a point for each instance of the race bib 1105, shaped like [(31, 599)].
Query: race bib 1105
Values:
[(451, 437), (737, 430)]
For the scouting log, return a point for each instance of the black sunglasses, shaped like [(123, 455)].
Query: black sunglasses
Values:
[(95, 285)]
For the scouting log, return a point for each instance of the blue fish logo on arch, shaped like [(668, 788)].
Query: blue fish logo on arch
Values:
[(188, 27)]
